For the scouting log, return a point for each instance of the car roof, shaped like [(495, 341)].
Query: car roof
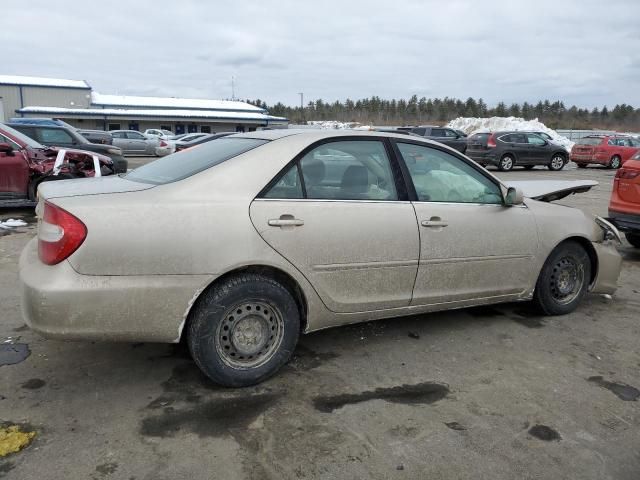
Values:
[(39, 125)]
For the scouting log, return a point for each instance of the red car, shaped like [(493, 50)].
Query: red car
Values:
[(609, 150), (624, 206), (24, 164)]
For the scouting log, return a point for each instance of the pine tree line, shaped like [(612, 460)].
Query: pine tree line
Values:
[(415, 111)]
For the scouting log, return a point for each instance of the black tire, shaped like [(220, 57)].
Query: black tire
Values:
[(33, 186), (615, 162), (633, 239), (557, 162), (582, 165), (529, 167), (506, 163), (264, 308), (551, 296)]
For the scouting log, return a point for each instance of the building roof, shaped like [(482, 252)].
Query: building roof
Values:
[(42, 82), (158, 113), (172, 102)]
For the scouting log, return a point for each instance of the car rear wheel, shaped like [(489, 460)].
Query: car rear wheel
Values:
[(506, 163), (615, 162), (564, 280), (633, 239), (556, 163), (243, 330)]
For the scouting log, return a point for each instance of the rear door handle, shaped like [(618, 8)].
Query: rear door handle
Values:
[(285, 221), (434, 222)]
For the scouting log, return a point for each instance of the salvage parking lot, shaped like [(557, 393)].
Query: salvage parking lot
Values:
[(494, 392)]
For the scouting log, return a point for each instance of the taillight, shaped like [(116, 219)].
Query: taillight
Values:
[(59, 234), (627, 174), (491, 141), (163, 143)]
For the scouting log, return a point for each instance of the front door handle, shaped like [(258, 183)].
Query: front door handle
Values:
[(285, 221), (434, 222)]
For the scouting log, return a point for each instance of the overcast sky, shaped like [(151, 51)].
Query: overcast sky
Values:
[(585, 52)]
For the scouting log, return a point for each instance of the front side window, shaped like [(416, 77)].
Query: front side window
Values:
[(437, 132), (118, 135), (535, 139), (50, 136), (441, 177), (13, 144), (135, 136), (450, 133)]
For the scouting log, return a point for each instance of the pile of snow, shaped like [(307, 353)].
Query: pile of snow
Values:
[(335, 125), (11, 223), (471, 125)]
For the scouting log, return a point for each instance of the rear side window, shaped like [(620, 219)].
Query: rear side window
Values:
[(437, 132), (589, 141), (189, 162)]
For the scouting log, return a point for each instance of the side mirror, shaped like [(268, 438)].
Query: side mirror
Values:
[(514, 196), (6, 148)]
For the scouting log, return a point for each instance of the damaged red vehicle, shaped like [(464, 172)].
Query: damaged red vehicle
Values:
[(24, 164)]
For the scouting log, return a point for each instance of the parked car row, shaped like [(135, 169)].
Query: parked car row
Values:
[(26, 163), (609, 150)]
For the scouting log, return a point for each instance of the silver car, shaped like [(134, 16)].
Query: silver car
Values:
[(239, 245), (134, 142)]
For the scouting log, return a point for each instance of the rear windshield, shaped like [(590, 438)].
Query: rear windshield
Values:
[(589, 141), (480, 137), (189, 162)]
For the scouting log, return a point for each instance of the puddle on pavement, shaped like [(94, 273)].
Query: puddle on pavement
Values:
[(107, 468), (622, 390), (418, 394), (209, 419), (33, 384), (455, 426), (12, 353), (544, 433), (14, 438)]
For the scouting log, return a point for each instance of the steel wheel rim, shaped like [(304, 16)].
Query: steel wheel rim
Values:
[(557, 163), (615, 162), (507, 163), (249, 334), (567, 279)]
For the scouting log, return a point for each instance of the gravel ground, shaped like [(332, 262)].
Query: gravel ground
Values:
[(483, 393)]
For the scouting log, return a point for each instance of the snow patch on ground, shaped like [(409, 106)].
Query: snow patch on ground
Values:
[(471, 125), (11, 223)]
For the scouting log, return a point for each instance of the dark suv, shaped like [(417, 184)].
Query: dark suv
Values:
[(445, 135), (508, 149), (59, 136)]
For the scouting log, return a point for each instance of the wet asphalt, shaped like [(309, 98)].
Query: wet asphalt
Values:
[(493, 392)]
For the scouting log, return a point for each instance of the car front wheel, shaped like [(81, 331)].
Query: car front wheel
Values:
[(556, 163), (564, 280), (243, 330), (506, 163)]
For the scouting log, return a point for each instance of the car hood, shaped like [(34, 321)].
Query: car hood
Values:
[(89, 186), (550, 190)]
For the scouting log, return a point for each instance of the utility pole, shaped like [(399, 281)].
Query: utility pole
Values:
[(301, 105)]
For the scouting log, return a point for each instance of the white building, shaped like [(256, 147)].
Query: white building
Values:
[(75, 102)]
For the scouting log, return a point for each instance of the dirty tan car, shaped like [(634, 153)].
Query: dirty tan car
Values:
[(240, 245)]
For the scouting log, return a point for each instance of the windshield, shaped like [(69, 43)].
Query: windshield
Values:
[(189, 162), (21, 136), (589, 141)]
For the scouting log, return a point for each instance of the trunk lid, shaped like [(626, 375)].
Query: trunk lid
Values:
[(550, 190), (89, 186)]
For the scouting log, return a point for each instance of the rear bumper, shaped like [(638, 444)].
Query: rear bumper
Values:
[(58, 302), (609, 266), (588, 159), (625, 222)]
